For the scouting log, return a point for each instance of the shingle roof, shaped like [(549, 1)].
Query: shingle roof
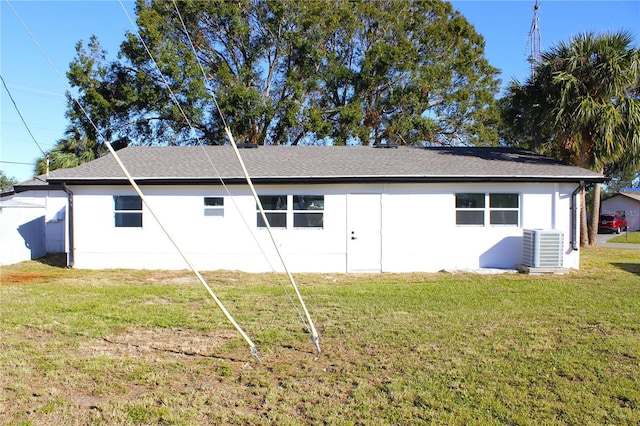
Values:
[(633, 194), (35, 183), (324, 164)]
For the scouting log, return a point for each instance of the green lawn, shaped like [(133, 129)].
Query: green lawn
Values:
[(150, 347), (630, 237)]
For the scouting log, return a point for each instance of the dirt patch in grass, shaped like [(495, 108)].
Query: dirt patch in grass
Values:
[(24, 278), (181, 345), (141, 342)]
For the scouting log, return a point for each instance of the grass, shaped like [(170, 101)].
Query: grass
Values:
[(630, 237), (149, 347)]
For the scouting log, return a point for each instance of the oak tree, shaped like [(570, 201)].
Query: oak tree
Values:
[(295, 72)]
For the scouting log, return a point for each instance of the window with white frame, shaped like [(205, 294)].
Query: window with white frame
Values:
[(487, 209), (504, 209), (308, 211), (214, 206), (275, 209), (127, 211), (292, 211), (470, 209)]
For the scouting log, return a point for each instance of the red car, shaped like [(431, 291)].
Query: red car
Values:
[(612, 222)]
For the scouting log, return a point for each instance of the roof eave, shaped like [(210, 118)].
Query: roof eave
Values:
[(283, 180), (51, 186)]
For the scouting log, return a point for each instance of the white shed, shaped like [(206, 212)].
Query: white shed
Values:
[(22, 235), (33, 221)]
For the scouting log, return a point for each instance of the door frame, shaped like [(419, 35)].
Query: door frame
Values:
[(364, 232)]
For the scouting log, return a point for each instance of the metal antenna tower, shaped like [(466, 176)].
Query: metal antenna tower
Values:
[(533, 46), (533, 42)]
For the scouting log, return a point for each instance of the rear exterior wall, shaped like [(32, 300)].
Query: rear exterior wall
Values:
[(365, 228)]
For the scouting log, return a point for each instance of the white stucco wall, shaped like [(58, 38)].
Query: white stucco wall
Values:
[(422, 232), (34, 226), (22, 234), (417, 231)]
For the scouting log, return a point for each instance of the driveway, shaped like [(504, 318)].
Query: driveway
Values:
[(604, 238)]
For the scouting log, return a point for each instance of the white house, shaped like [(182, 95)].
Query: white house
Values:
[(627, 204), (332, 209)]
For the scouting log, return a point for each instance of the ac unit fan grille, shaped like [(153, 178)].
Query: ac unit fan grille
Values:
[(542, 248)]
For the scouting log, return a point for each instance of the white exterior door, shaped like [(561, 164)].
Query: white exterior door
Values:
[(364, 223)]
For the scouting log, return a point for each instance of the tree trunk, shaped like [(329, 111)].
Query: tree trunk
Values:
[(584, 228), (588, 232), (595, 213)]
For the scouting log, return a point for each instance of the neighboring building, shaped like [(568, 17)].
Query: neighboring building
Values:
[(627, 204), (332, 209), (32, 221), (22, 233)]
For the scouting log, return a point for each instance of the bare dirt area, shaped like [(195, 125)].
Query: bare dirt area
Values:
[(108, 380), (137, 342)]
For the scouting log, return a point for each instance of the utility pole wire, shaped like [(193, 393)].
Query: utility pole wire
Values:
[(17, 162), (314, 334), (20, 115), (252, 346), (124, 170)]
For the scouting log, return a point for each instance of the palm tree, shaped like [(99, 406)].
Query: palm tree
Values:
[(70, 152), (584, 98)]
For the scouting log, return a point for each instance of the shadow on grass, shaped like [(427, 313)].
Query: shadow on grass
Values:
[(58, 260), (634, 268)]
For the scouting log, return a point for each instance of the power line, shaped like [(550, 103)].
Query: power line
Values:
[(20, 114), (309, 324), (137, 188), (252, 346), (17, 162), (37, 91)]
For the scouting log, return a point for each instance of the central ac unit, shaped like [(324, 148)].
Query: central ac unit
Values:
[(542, 248)]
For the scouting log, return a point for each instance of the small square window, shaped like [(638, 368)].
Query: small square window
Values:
[(308, 211), (127, 202), (273, 202), (470, 208), (276, 220), (469, 201), (128, 220), (509, 201), (214, 206), (308, 220), (275, 208), (214, 201), (127, 211), (466, 217), (504, 209), (504, 217)]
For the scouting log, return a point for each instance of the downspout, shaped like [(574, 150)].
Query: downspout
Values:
[(575, 244), (70, 258)]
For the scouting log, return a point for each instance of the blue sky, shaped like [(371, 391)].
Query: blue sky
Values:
[(58, 25)]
